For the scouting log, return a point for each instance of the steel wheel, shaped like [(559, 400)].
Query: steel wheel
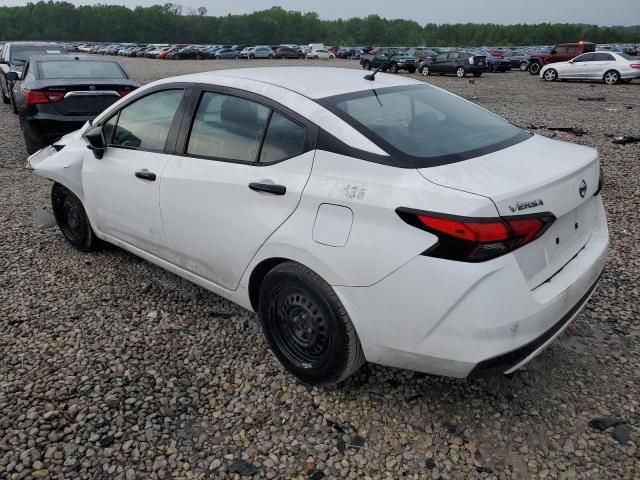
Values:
[(550, 75), (460, 72), (611, 77), (72, 218)]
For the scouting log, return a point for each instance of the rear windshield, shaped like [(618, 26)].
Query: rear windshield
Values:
[(424, 125), (80, 70), (21, 53)]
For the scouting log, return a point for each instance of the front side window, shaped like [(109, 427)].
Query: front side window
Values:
[(454, 56), (144, 124), (425, 125), (227, 127), (587, 57), (560, 50)]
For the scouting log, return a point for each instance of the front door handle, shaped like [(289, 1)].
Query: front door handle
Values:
[(268, 188), (146, 175)]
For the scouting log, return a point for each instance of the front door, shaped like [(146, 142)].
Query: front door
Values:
[(240, 176), (122, 189)]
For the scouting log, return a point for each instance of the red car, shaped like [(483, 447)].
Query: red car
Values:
[(560, 53)]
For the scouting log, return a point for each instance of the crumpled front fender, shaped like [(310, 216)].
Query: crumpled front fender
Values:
[(62, 163)]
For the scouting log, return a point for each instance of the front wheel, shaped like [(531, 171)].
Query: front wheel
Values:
[(425, 71), (524, 66), (550, 75), (72, 218), (534, 68), (307, 327), (460, 72), (611, 77), (5, 97), (270, 57), (412, 70), (393, 68), (366, 66)]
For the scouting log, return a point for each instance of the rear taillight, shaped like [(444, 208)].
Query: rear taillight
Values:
[(35, 97), (600, 183), (467, 239), (635, 65)]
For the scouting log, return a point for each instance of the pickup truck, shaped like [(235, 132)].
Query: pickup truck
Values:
[(560, 53), (399, 61)]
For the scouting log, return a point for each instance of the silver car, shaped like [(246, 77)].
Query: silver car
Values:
[(607, 67), (261, 52)]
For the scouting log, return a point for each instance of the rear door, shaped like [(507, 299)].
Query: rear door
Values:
[(602, 63), (439, 64), (238, 174), (452, 62)]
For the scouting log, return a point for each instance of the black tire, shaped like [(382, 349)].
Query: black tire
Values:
[(524, 66), (5, 98), (306, 326), (236, 57), (252, 57), (270, 57), (198, 57), (412, 70), (534, 68), (366, 65), (460, 72), (72, 218), (611, 77), (477, 74), (425, 71), (393, 68), (33, 147)]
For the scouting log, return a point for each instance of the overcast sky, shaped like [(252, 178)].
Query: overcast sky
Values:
[(600, 12)]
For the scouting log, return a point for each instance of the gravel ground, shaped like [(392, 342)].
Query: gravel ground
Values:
[(113, 368)]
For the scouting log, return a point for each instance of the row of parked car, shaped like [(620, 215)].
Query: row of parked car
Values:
[(571, 61), (204, 52)]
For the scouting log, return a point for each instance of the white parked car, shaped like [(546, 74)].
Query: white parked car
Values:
[(387, 220), (607, 67), (320, 53)]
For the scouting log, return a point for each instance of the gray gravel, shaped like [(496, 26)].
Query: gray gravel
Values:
[(113, 368)]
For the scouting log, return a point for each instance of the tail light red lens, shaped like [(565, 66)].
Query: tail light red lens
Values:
[(124, 92), (635, 65), (35, 97), (477, 239)]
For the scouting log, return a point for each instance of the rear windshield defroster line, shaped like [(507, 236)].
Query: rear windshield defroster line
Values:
[(421, 126)]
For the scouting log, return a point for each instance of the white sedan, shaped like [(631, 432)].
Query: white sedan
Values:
[(381, 220), (320, 53), (607, 67)]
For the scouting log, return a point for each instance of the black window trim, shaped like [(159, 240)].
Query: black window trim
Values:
[(311, 130), (170, 143), (402, 159)]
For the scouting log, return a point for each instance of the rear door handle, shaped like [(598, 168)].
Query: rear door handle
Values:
[(268, 188), (146, 175)]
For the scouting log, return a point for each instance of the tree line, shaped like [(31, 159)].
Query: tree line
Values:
[(170, 23)]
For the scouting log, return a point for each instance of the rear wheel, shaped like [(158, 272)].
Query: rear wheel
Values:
[(425, 70), (412, 70), (270, 56), (366, 65), (611, 77), (460, 72), (72, 218), (5, 97), (393, 68), (534, 68), (550, 75), (524, 66), (307, 327)]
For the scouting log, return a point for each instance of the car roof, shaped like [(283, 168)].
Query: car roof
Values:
[(311, 82)]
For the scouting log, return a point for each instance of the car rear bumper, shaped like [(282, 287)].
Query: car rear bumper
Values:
[(471, 320), (49, 128), (476, 68)]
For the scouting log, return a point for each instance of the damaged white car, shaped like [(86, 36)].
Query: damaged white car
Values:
[(376, 218)]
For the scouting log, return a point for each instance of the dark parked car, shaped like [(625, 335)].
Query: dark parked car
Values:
[(496, 64), (518, 59), (188, 54), (14, 56), (226, 53), (288, 52), (394, 58), (457, 62), (59, 93), (560, 53)]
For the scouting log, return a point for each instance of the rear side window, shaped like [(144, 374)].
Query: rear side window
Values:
[(423, 124), (21, 53), (284, 139), (228, 127), (144, 124), (80, 70), (603, 57)]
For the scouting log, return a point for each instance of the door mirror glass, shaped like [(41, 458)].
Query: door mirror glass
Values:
[(12, 76), (95, 138)]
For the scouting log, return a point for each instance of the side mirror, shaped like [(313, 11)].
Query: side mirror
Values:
[(95, 138), (12, 76)]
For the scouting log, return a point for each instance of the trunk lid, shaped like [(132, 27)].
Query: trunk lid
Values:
[(535, 176), (85, 98)]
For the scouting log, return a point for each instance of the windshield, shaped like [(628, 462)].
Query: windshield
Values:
[(424, 124), (80, 70), (21, 53)]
